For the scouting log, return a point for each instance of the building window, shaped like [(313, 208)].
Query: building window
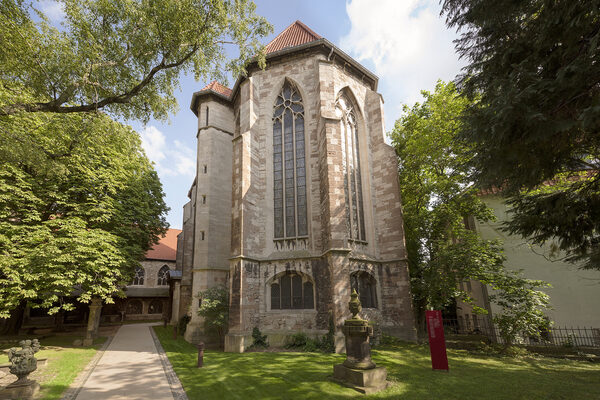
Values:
[(292, 291), (201, 235), (203, 199), (205, 168), (355, 217), (365, 286), (163, 275), (289, 171), (155, 307), (138, 277), (206, 115), (134, 307)]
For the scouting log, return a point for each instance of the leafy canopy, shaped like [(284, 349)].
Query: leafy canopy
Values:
[(439, 199), (534, 79), (80, 204), (124, 56)]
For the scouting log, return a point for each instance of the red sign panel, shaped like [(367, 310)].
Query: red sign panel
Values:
[(437, 343)]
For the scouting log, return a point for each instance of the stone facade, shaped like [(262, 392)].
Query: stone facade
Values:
[(229, 224)]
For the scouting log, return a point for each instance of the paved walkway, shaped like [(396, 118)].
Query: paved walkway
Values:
[(130, 368)]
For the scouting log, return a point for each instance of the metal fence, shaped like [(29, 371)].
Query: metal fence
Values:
[(555, 336)]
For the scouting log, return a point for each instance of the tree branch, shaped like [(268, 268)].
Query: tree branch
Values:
[(56, 106)]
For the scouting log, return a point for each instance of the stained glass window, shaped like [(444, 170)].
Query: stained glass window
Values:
[(292, 291), (355, 216), (289, 168), (138, 277), (155, 307), (365, 286), (163, 274)]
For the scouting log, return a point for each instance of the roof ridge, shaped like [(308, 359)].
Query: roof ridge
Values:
[(282, 37), (306, 28), (218, 87)]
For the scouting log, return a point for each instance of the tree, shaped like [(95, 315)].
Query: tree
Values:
[(214, 308), (123, 56), (534, 79), (438, 198), (80, 204)]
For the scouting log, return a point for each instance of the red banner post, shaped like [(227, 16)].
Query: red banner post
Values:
[(437, 343)]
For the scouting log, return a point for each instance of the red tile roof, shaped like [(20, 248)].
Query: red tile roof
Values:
[(218, 88), (166, 248), (294, 35)]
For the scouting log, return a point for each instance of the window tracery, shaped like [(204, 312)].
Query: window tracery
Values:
[(289, 170), (163, 276), (292, 291), (355, 217), (138, 277)]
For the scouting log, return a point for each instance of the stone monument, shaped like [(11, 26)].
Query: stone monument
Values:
[(358, 371), (23, 362)]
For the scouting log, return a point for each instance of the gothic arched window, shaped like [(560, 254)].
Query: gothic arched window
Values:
[(289, 171), (355, 216), (365, 286), (155, 307), (134, 307), (163, 275), (292, 291), (138, 277)]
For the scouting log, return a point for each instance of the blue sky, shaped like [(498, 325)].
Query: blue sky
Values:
[(404, 42)]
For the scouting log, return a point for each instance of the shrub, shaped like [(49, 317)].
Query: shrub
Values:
[(214, 308), (259, 340)]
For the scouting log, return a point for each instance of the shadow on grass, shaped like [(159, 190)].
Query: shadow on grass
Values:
[(307, 375)]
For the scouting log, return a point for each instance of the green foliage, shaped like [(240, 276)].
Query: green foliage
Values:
[(439, 199), (522, 307), (80, 204), (533, 77), (214, 308), (302, 342), (123, 56), (258, 339)]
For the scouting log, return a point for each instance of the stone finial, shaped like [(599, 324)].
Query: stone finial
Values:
[(354, 305), (23, 361)]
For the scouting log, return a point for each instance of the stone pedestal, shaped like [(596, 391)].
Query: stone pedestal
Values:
[(366, 381), (358, 371), (93, 321), (26, 390)]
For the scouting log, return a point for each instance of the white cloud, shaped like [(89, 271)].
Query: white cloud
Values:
[(407, 42), (53, 10), (174, 159)]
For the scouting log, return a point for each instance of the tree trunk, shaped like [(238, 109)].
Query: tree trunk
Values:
[(12, 325)]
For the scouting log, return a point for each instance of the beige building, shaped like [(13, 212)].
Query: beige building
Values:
[(296, 199), (574, 294)]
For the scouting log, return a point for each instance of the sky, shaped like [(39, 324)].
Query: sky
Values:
[(404, 42)]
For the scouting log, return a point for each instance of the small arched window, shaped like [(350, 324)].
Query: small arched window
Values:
[(134, 307), (138, 277), (155, 307), (289, 170), (355, 216), (163, 275), (292, 291), (366, 287)]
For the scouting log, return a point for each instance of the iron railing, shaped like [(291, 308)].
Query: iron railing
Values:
[(555, 336)]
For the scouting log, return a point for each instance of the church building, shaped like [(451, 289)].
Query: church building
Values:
[(296, 200)]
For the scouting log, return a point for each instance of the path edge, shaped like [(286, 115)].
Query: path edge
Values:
[(75, 387), (176, 388)]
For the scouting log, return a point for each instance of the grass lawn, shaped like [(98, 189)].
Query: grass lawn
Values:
[(307, 375), (64, 363)]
